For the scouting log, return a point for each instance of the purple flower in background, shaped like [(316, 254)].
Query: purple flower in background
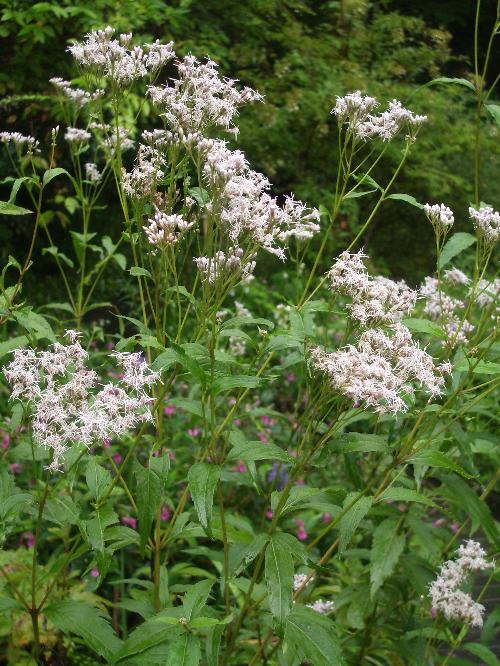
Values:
[(94, 573), (301, 532), (262, 437), (165, 513), (16, 468), (130, 521), (194, 432), (279, 474), (169, 410)]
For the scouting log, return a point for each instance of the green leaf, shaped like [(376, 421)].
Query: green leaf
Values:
[(86, 621), (478, 367), (404, 495), (357, 194), (35, 324), (257, 450), (12, 343), (406, 197), (200, 195), (352, 518), (185, 651), (424, 326), (240, 556), (54, 251), (483, 653), (297, 497), (202, 480), (138, 271), (150, 485), (447, 80), (212, 645), (196, 598), (438, 459), (479, 512), (53, 173), (7, 208), (279, 579), (455, 245), (97, 478), (62, 510), (494, 111), (387, 547), (312, 636), (95, 527), (236, 381), (7, 604), (145, 636), (351, 442)]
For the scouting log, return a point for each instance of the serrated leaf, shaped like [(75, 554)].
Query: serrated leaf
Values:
[(95, 527), (407, 198), (279, 579), (13, 343), (150, 484), (97, 478), (196, 598), (312, 636), (240, 556), (145, 636), (138, 271), (455, 245), (86, 621), (351, 442), (479, 512), (35, 324), (50, 174), (256, 450), (404, 495), (202, 480), (352, 518), (424, 326), (7, 208), (438, 459), (186, 651), (387, 547), (478, 367), (7, 604), (236, 381)]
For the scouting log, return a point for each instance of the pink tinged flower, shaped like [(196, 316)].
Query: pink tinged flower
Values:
[(28, 539), (16, 468), (455, 527), (265, 420), (300, 482), (106, 442), (326, 518), (269, 514), (171, 455), (433, 612), (109, 345), (290, 377), (94, 573), (129, 521), (194, 432), (301, 532), (169, 410), (117, 458), (438, 522), (5, 440), (241, 467), (237, 422), (262, 437), (165, 513)]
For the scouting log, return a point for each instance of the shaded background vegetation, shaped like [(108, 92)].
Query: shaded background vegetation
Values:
[(300, 54)]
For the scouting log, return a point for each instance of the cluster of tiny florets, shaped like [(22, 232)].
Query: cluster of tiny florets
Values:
[(322, 607), (375, 300), (147, 171), (92, 173), (445, 592), (165, 229), (76, 135), (455, 277), (441, 217), (117, 59), (486, 222), (446, 309), (76, 96), (354, 111), (223, 265), (67, 403), (19, 140)]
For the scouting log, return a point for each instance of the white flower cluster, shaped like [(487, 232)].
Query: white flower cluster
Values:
[(445, 309), (19, 140), (323, 607), (92, 173), (76, 96), (381, 369), (199, 99), (488, 292), (300, 580), (147, 171), (164, 229), (354, 110), (375, 300), (222, 265), (445, 592), (67, 402), (455, 277), (486, 222), (76, 135), (117, 59), (246, 207), (441, 217)]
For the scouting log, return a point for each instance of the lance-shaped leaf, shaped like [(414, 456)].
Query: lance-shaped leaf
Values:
[(312, 636), (279, 578), (97, 479), (456, 244), (202, 479), (185, 651), (351, 519), (150, 484), (387, 546)]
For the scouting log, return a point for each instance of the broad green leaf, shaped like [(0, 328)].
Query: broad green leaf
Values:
[(16, 185), (97, 478), (357, 194), (35, 324), (96, 526), (455, 245), (186, 651), (53, 173), (351, 519), (12, 343), (54, 252), (257, 450), (62, 509), (240, 556), (138, 271), (86, 621), (236, 381), (150, 484), (387, 546), (478, 367), (351, 442), (447, 80), (438, 459), (494, 111), (407, 198), (196, 598), (483, 653), (424, 326), (200, 195), (465, 498), (7, 604), (312, 636), (297, 497), (404, 495), (7, 208), (145, 636), (202, 480), (212, 645), (279, 579)]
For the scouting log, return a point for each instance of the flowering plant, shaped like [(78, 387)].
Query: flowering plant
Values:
[(207, 451)]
